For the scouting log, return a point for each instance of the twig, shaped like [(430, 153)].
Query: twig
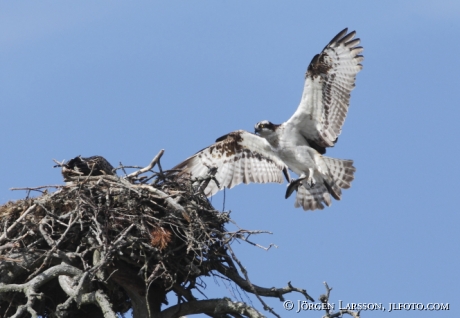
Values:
[(37, 188), (172, 204), (251, 286), (329, 314), (204, 181), (149, 167), (4, 235), (241, 235), (233, 275)]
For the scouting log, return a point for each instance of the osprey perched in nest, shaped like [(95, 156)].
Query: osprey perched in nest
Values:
[(297, 144), (91, 166)]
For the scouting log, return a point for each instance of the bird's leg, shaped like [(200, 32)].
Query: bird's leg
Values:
[(310, 180), (296, 183)]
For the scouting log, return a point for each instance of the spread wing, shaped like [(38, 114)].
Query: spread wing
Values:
[(329, 80), (239, 157)]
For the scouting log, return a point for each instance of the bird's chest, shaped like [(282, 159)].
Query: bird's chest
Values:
[(290, 139), (298, 158)]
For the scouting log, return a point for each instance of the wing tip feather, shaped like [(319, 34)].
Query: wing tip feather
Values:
[(338, 37)]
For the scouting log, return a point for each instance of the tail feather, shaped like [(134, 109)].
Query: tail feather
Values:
[(311, 198), (341, 171), (340, 176)]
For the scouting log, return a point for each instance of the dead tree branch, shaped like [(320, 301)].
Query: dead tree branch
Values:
[(211, 306), (233, 275), (329, 314), (149, 167)]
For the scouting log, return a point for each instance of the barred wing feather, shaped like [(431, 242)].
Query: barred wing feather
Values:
[(240, 157), (329, 80)]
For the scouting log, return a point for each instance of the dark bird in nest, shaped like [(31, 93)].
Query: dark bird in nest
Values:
[(91, 166)]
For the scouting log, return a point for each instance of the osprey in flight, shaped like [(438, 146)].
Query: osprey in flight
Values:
[(297, 144)]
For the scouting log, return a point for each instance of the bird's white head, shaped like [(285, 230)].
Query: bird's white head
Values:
[(265, 128)]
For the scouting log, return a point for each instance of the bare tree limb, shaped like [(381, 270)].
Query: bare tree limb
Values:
[(329, 314), (30, 288), (262, 291), (100, 298), (37, 188), (211, 306), (252, 289)]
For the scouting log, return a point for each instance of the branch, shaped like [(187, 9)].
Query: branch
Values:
[(171, 203), (245, 234), (37, 188), (325, 300), (30, 288), (187, 294), (41, 279), (204, 181), (211, 306), (99, 298), (262, 291), (4, 235), (150, 166), (94, 178), (250, 285)]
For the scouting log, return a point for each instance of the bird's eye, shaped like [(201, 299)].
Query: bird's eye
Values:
[(262, 125)]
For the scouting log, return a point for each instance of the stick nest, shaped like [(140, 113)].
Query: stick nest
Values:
[(165, 231)]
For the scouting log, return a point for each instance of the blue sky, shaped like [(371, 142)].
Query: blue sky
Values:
[(124, 80)]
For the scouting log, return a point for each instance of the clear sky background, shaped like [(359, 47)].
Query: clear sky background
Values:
[(125, 79)]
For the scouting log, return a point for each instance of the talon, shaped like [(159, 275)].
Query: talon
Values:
[(311, 182)]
